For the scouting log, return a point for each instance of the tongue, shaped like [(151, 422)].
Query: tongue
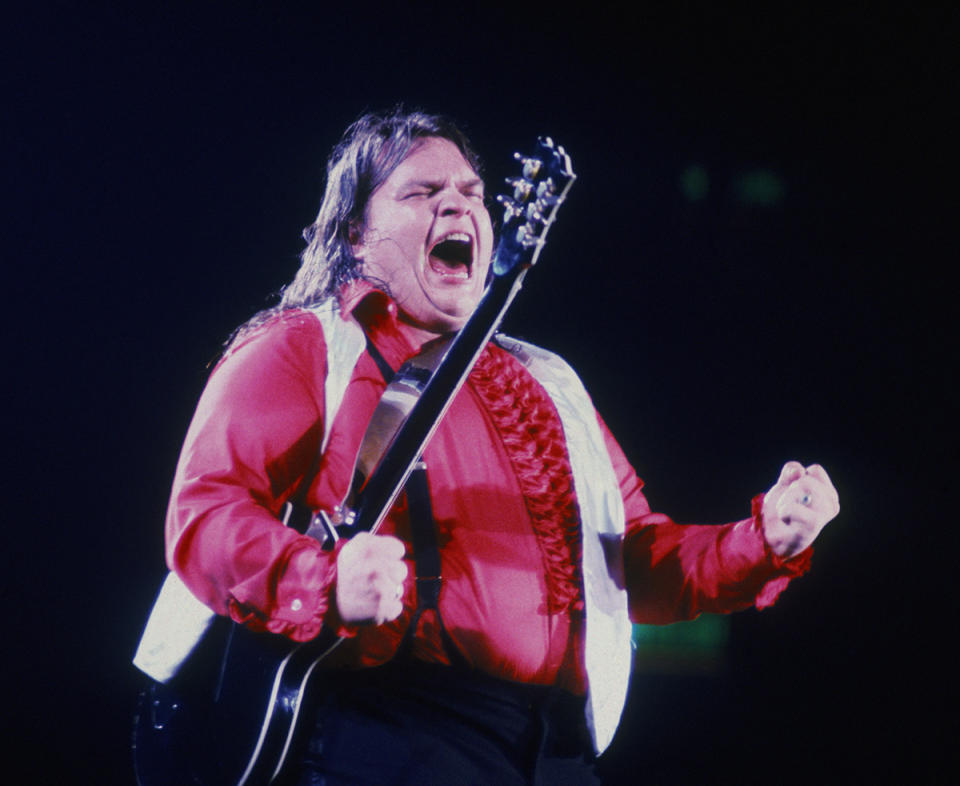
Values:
[(448, 267)]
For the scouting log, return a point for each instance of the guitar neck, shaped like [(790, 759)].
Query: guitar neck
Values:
[(461, 353)]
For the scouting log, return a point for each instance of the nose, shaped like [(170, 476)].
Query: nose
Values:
[(452, 203)]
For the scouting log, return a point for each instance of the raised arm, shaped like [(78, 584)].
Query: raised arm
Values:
[(676, 571)]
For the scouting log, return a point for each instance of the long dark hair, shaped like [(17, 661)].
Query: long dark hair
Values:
[(370, 149)]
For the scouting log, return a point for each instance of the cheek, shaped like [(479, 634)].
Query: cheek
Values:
[(489, 244), (485, 230)]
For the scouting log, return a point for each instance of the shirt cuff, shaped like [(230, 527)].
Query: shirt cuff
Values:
[(783, 570), (303, 602), (331, 619)]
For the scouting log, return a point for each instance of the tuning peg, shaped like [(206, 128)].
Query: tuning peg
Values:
[(531, 166), (546, 189), (557, 151), (511, 209), (521, 188), (527, 236)]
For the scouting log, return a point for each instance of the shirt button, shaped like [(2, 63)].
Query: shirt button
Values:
[(297, 605)]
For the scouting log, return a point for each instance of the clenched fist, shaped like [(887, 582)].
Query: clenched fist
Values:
[(370, 576), (798, 507)]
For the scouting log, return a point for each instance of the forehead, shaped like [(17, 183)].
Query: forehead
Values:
[(432, 160)]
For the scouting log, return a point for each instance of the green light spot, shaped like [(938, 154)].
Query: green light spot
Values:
[(706, 632), (759, 187), (694, 183), (694, 646)]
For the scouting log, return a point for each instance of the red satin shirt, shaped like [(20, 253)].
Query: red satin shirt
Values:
[(253, 442)]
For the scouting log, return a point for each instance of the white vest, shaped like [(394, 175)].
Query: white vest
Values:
[(178, 620)]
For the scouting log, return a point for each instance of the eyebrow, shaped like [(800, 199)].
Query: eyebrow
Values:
[(473, 182)]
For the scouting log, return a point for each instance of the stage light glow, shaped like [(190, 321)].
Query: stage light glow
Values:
[(760, 187), (694, 183), (690, 647)]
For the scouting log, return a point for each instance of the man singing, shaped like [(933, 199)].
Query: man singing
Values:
[(548, 548)]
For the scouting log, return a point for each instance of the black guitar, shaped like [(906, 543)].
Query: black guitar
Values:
[(231, 715)]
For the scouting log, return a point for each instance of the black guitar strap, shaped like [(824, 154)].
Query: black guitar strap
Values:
[(426, 557), (426, 553), (386, 370)]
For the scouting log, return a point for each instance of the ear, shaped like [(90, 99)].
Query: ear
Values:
[(355, 236)]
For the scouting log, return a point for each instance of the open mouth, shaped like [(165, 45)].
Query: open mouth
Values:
[(452, 256)]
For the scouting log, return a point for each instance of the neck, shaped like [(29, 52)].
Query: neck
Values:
[(418, 335)]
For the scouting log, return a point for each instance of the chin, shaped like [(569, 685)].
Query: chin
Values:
[(450, 324), (453, 316)]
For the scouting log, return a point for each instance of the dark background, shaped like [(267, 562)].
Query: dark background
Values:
[(163, 159)]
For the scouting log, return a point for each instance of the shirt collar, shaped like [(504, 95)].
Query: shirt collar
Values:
[(378, 314), (360, 290)]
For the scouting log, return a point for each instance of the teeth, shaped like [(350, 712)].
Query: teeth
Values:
[(461, 237)]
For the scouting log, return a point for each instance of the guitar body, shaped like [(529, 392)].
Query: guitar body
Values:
[(231, 717)]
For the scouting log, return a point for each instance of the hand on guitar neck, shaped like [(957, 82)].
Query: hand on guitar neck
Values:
[(370, 576)]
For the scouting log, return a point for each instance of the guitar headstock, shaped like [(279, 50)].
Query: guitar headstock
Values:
[(545, 178)]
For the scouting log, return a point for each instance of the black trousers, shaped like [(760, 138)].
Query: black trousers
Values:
[(430, 725)]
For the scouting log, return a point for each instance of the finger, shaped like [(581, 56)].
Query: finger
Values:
[(362, 539), (397, 572), (390, 580), (386, 584), (819, 474), (390, 547), (791, 471), (809, 496), (803, 491), (796, 515), (360, 548), (391, 602), (811, 493), (809, 490), (390, 610)]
